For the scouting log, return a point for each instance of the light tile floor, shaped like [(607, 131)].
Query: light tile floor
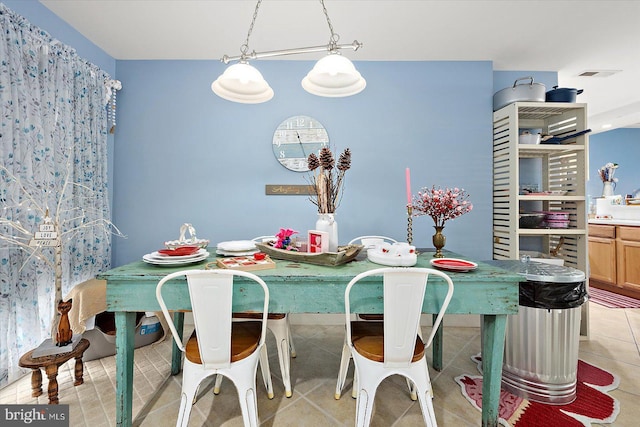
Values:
[(613, 345)]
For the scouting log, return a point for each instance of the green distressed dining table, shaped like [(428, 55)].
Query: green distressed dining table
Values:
[(305, 288)]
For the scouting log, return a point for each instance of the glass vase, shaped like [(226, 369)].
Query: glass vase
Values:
[(327, 222), (439, 241)]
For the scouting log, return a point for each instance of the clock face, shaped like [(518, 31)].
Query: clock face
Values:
[(296, 138)]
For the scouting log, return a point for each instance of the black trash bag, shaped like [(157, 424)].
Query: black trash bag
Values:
[(552, 295)]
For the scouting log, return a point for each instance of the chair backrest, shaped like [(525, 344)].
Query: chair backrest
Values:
[(403, 293), (370, 242), (211, 294)]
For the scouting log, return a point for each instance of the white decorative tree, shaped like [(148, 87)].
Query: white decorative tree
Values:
[(55, 225)]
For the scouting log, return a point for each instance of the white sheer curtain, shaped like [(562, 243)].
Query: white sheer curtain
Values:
[(52, 129)]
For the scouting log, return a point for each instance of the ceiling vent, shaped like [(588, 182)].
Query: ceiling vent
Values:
[(598, 73)]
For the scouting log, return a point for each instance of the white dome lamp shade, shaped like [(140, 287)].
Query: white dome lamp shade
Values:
[(334, 76), (242, 83)]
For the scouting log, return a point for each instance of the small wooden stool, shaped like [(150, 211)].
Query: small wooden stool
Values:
[(50, 365)]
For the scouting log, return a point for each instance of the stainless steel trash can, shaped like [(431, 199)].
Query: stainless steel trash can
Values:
[(541, 342)]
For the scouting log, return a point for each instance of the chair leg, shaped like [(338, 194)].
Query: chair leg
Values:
[(281, 332), (342, 373), (366, 396), (190, 382), (426, 404), (412, 390), (292, 348), (185, 410), (266, 375), (285, 366), (248, 402), (266, 371), (354, 389), (217, 384)]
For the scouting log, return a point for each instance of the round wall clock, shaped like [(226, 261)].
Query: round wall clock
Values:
[(296, 138)]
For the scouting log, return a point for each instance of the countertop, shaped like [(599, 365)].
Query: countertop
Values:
[(614, 221)]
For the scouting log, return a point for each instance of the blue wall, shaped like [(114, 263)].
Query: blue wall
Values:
[(181, 154), (621, 146), (185, 155)]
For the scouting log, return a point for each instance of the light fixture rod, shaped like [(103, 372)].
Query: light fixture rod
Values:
[(255, 55)]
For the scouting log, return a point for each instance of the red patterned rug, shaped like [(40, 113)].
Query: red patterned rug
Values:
[(592, 404), (612, 300)]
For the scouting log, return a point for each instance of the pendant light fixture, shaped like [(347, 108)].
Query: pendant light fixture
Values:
[(332, 76)]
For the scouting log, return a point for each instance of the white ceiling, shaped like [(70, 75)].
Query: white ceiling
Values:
[(544, 35)]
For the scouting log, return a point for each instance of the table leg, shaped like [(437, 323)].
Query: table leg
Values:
[(492, 354), (125, 333), (52, 374), (437, 346), (176, 354), (36, 382)]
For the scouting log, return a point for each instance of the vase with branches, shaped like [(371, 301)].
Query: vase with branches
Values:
[(441, 205), (327, 182), (328, 178), (606, 173)]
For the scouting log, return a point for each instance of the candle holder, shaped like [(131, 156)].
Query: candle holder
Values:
[(409, 224)]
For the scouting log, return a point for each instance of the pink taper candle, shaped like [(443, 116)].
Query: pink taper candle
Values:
[(408, 178)]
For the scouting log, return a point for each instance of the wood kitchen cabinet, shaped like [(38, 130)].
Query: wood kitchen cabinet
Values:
[(614, 258), (628, 254), (602, 254)]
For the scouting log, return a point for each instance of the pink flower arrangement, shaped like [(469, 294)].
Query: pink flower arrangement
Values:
[(440, 204), (284, 239)]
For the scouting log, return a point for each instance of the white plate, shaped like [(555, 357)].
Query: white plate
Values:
[(453, 264), (166, 261), (237, 245), (238, 253), (160, 257), (378, 257)]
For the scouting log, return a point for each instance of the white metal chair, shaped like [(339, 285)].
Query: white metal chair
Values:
[(369, 242), (219, 346), (382, 349), (278, 324)]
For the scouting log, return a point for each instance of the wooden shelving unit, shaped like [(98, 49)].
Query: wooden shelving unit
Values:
[(563, 171)]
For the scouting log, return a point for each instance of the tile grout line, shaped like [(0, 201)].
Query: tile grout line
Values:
[(633, 335)]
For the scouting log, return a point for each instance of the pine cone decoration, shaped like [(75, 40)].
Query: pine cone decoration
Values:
[(326, 158), (344, 162), (313, 162)]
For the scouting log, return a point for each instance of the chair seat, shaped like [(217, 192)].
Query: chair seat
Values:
[(245, 338), (365, 316), (250, 315), (368, 340), (278, 324)]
